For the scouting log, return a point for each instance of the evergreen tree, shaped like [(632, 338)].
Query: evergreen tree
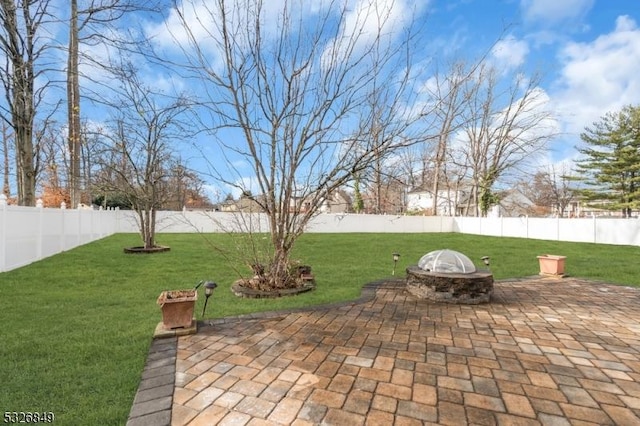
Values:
[(610, 168), (358, 203)]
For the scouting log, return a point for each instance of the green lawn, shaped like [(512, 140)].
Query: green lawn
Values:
[(76, 327)]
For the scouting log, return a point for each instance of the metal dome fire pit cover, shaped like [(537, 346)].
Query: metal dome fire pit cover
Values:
[(446, 261), (449, 276)]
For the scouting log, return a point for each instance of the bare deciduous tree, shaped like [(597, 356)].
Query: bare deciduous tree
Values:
[(185, 188), (291, 96), (505, 127), (24, 81), (380, 130), (138, 149), (446, 91), (90, 24), (552, 187)]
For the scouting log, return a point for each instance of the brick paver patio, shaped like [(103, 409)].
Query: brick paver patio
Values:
[(544, 352)]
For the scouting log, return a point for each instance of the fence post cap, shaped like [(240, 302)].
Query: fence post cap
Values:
[(39, 203), (3, 200)]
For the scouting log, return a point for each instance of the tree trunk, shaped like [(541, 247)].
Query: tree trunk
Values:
[(279, 271), (6, 189), (73, 106), (436, 172), (147, 227), (26, 171), (15, 47)]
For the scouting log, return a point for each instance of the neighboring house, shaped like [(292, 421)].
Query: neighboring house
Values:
[(300, 204), (338, 202), (459, 202), (420, 199), (513, 203), (581, 209), (244, 204)]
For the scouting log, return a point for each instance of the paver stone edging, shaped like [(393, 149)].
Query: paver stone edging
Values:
[(154, 398)]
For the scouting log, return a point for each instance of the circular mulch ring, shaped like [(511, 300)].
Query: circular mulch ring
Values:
[(142, 250), (250, 293)]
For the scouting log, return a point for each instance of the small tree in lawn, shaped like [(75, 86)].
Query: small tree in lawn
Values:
[(137, 153), (306, 102)]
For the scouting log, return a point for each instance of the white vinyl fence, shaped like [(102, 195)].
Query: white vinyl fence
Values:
[(600, 230), (590, 230), (28, 234), (187, 221)]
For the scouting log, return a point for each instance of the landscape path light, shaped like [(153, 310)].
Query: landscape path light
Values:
[(396, 257), (209, 286), (486, 260)]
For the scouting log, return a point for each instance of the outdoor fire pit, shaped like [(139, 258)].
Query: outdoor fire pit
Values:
[(449, 276)]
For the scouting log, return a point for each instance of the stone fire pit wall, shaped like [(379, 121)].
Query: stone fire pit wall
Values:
[(470, 289), (449, 276)]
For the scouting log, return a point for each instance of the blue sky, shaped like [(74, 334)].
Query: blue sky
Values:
[(587, 51)]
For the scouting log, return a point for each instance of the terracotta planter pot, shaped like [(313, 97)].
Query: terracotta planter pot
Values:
[(551, 264), (177, 308)]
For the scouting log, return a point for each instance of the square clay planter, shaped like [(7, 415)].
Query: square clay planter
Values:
[(551, 264), (177, 308)]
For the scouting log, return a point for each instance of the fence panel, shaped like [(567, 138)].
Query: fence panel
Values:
[(52, 232), (467, 225), (28, 234), (515, 227), (617, 231), (580, 230), (21, 238), (586, 230), (206, 222), (542, 228)]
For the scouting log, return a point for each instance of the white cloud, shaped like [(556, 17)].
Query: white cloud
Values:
[(204, 21), (171, 33), (552, 12), (430, 85), (537, 122), (192, 29), (369, 17), (509, 53), (365, 20), (599, 76)]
